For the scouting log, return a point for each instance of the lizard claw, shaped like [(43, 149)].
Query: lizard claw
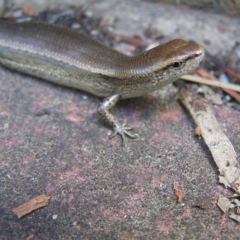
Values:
[(122, 131)]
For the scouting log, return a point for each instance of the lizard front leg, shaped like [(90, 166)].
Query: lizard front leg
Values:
[(111, 121)]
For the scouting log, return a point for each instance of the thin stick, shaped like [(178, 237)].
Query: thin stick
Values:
[(205, 81), (203, 73)]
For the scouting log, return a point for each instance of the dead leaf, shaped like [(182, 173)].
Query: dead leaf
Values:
[(224, 204)]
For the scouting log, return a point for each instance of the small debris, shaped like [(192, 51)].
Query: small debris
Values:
[(178, 191), (210, 95), (198, 132), (15, 14), (33, 204), (135, 41), (88, 13), (224, 204), (132, 48), (42, 112), (207, 42), (136, 17), (230, 206), (224, 78), (28, 10)]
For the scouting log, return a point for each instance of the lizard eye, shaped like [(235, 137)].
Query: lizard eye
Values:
[(176, 65)]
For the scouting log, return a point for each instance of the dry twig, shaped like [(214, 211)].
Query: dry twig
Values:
[(197, 79), (31, 205)]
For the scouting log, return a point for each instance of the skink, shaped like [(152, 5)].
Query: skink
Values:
[(70, 58)]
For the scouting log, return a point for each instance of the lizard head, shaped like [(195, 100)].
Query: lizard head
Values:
[(175, 58)]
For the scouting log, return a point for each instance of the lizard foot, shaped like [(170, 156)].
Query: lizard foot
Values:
[(123, 131)]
